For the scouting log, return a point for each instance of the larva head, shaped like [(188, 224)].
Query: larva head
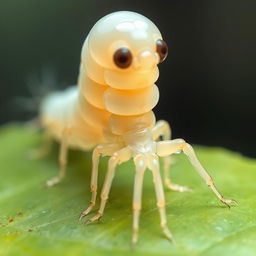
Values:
[(128, 46)]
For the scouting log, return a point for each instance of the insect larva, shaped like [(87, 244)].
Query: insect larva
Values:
[(111, 111)]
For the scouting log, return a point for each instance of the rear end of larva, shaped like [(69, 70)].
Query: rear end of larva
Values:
[(67, 109)]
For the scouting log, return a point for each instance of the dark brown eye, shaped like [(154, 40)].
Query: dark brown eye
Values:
[(162, 49), (123, 58)]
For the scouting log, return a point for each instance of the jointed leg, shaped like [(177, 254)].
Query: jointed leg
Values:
[(97, 152), (121, 156), (162, 128), (165, 148), (62, 159), (137, 194), (167, 179), (154, 166)]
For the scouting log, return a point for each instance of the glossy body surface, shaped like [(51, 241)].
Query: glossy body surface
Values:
[(107, 94), (110, 110)]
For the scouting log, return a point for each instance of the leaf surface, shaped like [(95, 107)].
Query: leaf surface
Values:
[(35, 220)]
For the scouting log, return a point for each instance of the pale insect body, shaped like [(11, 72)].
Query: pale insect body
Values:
[(111, 110)]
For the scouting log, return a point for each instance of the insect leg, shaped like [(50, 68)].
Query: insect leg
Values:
[(162, 128), (167, 179), (62, 159), (97, 152), (165, 148), (118, 157), (154, 167), (137, 194)]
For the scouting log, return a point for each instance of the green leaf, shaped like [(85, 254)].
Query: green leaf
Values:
[(35, 220)]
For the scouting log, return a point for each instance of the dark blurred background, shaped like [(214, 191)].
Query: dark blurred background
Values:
[(207, 84)]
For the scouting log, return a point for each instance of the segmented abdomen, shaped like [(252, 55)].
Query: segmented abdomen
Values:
[(98, 112), (116, 111)]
